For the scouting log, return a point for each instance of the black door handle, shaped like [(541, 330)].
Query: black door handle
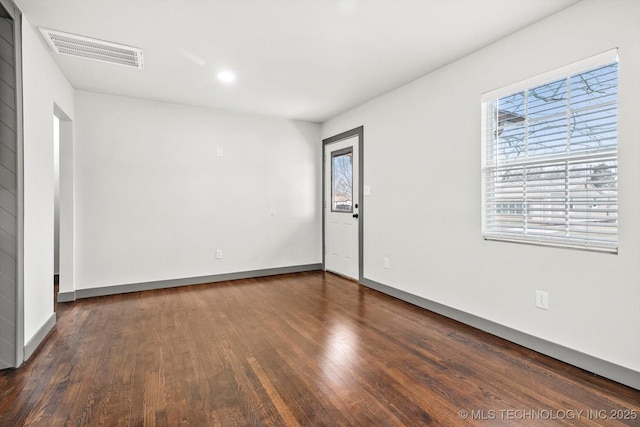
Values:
[(355, 215)]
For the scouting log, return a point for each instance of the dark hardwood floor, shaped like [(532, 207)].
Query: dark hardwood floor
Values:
[(302, 349)]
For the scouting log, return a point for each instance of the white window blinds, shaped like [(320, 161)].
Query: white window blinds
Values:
[(550, 159)]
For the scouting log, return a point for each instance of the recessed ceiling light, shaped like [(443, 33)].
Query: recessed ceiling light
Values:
[(226, 76)]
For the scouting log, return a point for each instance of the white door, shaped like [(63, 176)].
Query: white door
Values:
[(341, 207)]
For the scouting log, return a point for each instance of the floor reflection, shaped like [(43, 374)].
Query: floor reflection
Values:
[(340, 354)]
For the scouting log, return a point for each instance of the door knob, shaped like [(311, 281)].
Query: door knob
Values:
[(355, 215)]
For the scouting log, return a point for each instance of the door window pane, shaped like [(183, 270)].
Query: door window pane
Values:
[(342, 180)]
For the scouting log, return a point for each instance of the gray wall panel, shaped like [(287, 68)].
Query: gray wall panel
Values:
[(7, 244), (7, 137), (7, 178), (7, 268), (6, 52), (7, 73), (8, 199), (7, 92), (6, 286), (7, 329), (7, 158), (7, 352), (7, 221), (8, 115), (6, 30), (7, 307)]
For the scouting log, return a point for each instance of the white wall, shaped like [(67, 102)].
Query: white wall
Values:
[(44, 85), (154, 201), (422, 143)]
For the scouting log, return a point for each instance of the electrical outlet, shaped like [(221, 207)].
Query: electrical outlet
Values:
[(385, 262), (219, 151), (542, 300), (219, 254)]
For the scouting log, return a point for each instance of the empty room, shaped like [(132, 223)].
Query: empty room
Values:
[(319, 212)]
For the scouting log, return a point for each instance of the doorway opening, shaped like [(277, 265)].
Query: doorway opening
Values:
[(56, 206), (63, 269)]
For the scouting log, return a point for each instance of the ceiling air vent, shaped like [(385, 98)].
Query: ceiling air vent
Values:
[(88, 48)]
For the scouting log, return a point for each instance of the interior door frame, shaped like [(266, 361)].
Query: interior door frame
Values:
[(359, 132)]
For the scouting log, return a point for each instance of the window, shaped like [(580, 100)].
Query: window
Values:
[(550, 164), (342, 180)]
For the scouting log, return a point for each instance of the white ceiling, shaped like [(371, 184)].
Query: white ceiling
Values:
[(299, 59)]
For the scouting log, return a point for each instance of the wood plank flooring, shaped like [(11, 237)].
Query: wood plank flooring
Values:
[(309, 349)]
